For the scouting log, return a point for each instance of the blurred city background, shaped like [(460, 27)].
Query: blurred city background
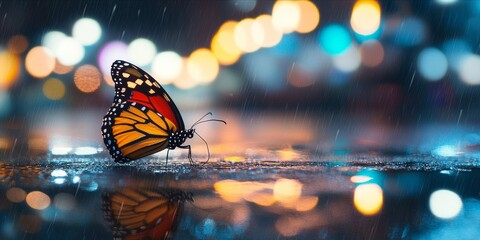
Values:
[(383, 64)]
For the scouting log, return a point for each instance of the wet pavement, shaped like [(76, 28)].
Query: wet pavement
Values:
[(314, 179)]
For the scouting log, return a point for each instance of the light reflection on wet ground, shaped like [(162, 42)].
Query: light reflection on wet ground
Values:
[(315, 179)]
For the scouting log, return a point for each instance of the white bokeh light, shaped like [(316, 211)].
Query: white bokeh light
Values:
[(141, 51), (348, 61), (51, 40), (87, 31), (69, 51), (469, 69), (167, 66), (445, 204)]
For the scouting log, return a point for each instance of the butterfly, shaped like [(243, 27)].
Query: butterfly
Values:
[(142, 213), (143, 118)]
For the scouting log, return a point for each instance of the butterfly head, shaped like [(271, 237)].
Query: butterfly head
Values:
[(190, 132)]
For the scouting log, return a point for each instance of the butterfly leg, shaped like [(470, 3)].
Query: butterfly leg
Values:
[(189, 153), (166, 159)]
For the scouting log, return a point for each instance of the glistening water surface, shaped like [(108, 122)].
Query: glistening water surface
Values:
[(362, 181)]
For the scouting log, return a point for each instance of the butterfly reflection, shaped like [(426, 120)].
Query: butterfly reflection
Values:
[(144, 213)]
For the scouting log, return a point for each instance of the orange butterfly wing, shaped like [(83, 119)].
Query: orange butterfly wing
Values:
[(142, 116), (143, 214)]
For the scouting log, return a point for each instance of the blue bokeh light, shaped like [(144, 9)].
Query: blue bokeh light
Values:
[(455, 50), (334, 39), (432, 64)]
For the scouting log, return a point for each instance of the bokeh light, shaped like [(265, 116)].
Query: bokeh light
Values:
[(69, 51), (52, 39), (368, 198), (54, 89), (61, 69), (16, 195), (347, 61), (306, 203), (17, 44), (455, 50), (141, 51), (270, 36), (40, 62), (309, 17), (9, 69), (243, 35), (223, 44), (184, 79), (360, 179), (109, 53), (432, 64), (287, 190), (371, 53), (87, 78), (445, 204), (87, 31), (469, 69), (38, 200), (167, 66), (286, 16), (202, 66), (366, 16), (334, 39)]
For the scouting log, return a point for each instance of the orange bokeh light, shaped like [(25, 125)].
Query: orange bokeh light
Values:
[(87, 78), (40, 62)]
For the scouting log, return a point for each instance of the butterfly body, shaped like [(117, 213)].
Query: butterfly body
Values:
[(143, 119)]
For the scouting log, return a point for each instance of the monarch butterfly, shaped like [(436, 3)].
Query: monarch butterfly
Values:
[(143, 118), (144, 214)]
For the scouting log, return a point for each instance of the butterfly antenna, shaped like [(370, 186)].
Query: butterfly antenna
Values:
[(209, 120), (209, 113), (208, 149)]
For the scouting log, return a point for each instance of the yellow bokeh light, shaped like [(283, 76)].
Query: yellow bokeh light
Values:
[(226, 38), (224, 57), (368, 198), (243, 35), (306, 203), (360, 179), (270, 36), (261, 199), (54, 89), (229, 190), (16, 195), (38, 200), (286, 16), (40, 62), (87, 78), (287, 190), (309, 17), (17, 44), (202, 66), (366, 17), (61, 69), (9, 69), (184, 80), (223, 44)]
